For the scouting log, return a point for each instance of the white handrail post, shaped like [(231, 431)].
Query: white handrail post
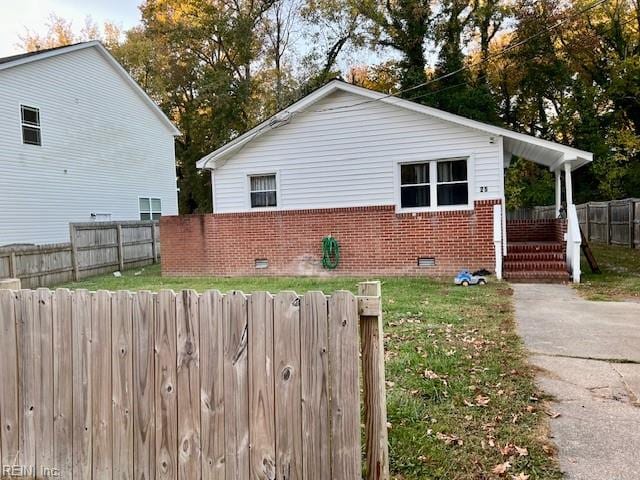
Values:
[(558, 192), (574, 241), (497, 238)]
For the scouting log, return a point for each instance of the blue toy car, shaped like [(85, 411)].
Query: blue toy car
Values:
[(466, 278)]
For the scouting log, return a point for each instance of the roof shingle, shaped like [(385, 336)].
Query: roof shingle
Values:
[(31, 54)]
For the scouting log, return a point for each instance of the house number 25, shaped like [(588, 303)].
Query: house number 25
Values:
[(484, 188)]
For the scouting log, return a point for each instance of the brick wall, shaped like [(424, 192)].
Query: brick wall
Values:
[(373, 241), (538, 230)]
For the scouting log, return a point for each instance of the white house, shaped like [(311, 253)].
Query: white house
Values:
[(80, 141), (406, 189)]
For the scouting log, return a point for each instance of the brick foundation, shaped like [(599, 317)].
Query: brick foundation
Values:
[(373, 241)]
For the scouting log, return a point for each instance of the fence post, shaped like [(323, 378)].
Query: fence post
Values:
[(608, 223), (587, 226), (632, 223), (74, 251), (12, 265), (154, 243), (120, 247), (375, 402)]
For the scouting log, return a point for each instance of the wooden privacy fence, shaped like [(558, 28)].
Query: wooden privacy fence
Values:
[(188, 386), (95, 248), (616, 222)]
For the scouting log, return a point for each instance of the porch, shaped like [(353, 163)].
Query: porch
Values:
[(545, 248)]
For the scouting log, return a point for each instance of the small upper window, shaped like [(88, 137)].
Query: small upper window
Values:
[(415, 188), (30, 119), (150, 208), (263, 191), (453, 187)]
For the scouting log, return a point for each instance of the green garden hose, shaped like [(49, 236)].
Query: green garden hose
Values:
[(330, 252)]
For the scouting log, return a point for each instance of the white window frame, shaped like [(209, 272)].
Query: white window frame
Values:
[(433, 185), (151, 211), (30, 125), (261, 173)]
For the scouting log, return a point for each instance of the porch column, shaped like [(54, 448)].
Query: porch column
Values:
[(558, 192), (568, 186)]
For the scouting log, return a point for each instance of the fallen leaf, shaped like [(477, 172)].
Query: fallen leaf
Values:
[(522, 452), (507, 450), (449, 439), (482, 401), (520, 476), (431, 375), (501, 468)]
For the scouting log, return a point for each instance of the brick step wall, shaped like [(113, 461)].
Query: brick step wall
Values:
[(535, 230)]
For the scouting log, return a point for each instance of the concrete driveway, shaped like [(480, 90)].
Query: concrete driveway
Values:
[(588, 355)]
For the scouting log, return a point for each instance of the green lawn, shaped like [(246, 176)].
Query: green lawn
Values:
[(461, 398), (620, 277)]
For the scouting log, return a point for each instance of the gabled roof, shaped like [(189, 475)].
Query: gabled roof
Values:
[(545, 152), (29, 57)]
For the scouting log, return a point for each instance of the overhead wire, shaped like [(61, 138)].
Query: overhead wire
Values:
[(272, 125), (471, 65)]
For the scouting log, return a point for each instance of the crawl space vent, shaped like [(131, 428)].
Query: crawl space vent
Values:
[(426, 261), (262, 263)]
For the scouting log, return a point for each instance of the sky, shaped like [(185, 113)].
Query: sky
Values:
[(17, 16)]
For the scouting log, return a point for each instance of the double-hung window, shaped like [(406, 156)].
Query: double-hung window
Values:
[(263, 190), (150, 208), (436, 183), (453, 186), (415, 185), (30, 122)]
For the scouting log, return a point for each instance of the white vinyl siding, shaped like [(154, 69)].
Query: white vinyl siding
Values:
[(349, 157), (103, 148)]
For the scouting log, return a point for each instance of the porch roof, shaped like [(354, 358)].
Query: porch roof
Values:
[(550, 154)]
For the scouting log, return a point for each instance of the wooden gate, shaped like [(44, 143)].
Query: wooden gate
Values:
[(185, 386)]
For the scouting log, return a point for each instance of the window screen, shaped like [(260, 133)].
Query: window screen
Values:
[(415, 185), (263, 191), (453, 186)]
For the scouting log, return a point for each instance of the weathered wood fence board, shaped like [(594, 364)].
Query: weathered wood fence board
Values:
[(616, 222), (188, 386), (94, 248)]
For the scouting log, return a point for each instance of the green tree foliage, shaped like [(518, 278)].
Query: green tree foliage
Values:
[(528, 185)]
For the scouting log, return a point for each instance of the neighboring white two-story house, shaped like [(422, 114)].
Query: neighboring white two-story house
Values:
[(80, 141)]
